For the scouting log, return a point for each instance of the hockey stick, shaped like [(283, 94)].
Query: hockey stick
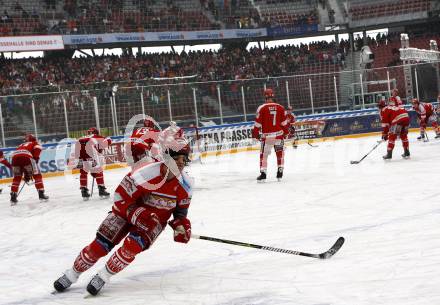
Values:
[(93, 185), (24, 183), (310, 144), (375, 146), (324, 255)]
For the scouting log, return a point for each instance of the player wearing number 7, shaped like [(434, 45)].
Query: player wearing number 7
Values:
[(271, 128)]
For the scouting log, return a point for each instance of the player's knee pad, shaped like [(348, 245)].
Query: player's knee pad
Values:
[(134, 244), (112, 230)]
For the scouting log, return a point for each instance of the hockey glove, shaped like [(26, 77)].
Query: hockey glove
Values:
[(385, 137), (182, 229), (27, 177)]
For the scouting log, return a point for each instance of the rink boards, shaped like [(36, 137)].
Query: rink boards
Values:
[(221, 139)]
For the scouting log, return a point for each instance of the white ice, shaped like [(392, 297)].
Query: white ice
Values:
[(388, 212)]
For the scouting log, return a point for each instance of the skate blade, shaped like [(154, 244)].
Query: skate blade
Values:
[(261, 181), (13, 204), (86, 199), (279, 179), (44, 200), (104, 197)]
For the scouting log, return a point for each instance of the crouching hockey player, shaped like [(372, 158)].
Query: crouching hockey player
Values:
[(88, 152), (25, 165), (143, 203), (425, 115), (395, 122)]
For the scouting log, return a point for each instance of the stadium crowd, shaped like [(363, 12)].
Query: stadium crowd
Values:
[(27, 75)]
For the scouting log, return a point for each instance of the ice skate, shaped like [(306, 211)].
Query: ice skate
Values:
[(389, 155), (98, 281), (14, 198), (42, 196), (280, 173), (66, 280), (437, 136), (406, 154), (85, 193), (102, 192), (262, 177), (421, 137)]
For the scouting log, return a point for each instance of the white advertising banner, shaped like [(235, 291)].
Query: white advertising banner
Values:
[(163, 36), (31, 43)]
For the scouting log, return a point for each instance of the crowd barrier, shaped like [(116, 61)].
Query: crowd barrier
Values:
[(219, 139)]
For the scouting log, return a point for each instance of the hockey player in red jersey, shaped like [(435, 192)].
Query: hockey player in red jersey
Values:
[(271, 129), (4, 162), (144, 201), (88, 152), (143, 142), (291, 125), (396, 98), (395, 122), (25, 164), (426, 115)]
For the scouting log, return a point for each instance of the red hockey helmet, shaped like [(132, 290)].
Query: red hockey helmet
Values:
[(93, 130), (268, 93), (29, 138), (149, 123), (381, 104)]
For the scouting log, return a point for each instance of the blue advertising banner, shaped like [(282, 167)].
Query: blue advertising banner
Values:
[(223, 137), (277, 31)]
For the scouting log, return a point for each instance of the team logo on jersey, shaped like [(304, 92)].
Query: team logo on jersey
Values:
[(160, 202), (128, 185)]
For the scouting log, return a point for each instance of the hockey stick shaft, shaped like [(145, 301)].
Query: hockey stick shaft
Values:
[(93, 185), (24, 183), (324, 255), (375, 146)]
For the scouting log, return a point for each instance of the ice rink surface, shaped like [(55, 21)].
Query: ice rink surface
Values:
[(389, 213)]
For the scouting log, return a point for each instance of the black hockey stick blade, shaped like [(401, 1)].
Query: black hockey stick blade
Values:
[(335, 248), (310, 144), (354, 162)]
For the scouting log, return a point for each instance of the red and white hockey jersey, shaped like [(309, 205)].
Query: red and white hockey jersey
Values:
[(393, 115), (271, 121), (424, 111), (87, 146), (147, 187), (32, 150)]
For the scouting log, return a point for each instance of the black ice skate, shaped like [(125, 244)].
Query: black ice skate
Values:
[(42, 196), (262, 177), (66, 280), (437, 136), (102, 192), (406, 153), (280, 173), (85, 193), (421, 137), (95, 285), (389, 155), (14, 198), (1, 190)]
